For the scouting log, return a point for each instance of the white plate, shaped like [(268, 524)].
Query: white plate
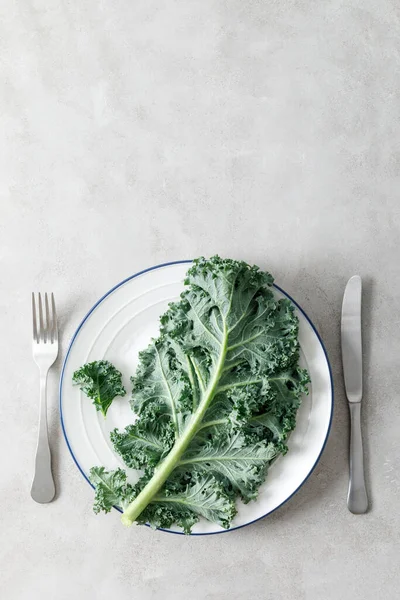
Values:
[(120, 325)]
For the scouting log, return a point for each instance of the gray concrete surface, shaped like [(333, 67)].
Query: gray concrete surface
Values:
[(134, 133)]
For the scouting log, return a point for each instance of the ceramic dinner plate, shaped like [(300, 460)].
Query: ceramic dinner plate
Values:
[(121, 324)]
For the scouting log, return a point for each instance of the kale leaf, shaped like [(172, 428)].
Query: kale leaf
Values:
[(101, 382), (215, 396)]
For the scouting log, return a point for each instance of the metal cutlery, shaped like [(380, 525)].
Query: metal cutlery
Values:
[(357, 499), (45, 351)]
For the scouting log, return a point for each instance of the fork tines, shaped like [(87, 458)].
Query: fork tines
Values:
[(47, 331)]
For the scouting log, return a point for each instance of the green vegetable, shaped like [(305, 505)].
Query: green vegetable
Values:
[(216, 396), (101, 382)]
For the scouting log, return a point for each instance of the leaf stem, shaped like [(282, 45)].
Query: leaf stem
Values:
[(170, 462)]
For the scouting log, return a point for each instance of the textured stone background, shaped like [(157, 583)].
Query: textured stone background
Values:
[(133, 133)]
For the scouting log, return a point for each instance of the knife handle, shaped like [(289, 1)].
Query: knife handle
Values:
[(357, 499)]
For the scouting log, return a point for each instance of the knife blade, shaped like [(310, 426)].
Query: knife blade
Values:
[(351, 339)]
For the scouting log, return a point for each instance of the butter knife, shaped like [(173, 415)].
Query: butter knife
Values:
[(357, 500)]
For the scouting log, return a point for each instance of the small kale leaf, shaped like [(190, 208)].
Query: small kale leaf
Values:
[(101, 382)]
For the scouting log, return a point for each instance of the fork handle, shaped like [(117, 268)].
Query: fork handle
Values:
[(43, 489), (357, 499)]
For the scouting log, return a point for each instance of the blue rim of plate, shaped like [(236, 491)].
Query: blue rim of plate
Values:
[(168, 264)]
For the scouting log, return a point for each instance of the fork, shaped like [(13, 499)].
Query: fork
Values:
[(45, 351)]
